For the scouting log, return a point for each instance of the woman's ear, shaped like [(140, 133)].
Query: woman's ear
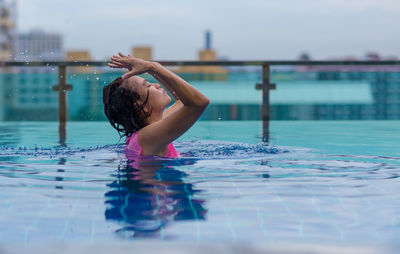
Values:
[(143, 110)]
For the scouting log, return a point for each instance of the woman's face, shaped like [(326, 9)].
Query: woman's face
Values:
[(158, 98)]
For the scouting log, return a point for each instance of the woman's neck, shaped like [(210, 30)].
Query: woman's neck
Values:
[(155, 117)]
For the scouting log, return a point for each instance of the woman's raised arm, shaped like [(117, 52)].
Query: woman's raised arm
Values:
[(156, 136), (189, 95)]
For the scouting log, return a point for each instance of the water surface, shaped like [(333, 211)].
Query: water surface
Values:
[(316, 182)]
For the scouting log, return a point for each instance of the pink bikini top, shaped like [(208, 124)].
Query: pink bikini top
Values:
[(133, 145)]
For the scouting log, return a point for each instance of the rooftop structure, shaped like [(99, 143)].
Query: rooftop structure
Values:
[(79, 55), (144, 52), (208, 40), (204, 72)]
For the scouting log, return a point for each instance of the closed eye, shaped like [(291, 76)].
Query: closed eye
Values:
[(146, 83)]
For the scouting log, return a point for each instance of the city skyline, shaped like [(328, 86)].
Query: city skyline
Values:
[(26, 92), (255, 30)]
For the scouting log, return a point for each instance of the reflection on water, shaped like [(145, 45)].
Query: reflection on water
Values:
[(60, 179), (147, 195)]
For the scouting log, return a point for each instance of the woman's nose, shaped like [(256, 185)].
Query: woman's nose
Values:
[(157, 86)]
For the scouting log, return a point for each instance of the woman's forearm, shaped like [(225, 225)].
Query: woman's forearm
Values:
[(183, 90), (165, 84)]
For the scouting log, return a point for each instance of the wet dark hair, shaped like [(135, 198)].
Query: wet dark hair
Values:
[(122, 108)]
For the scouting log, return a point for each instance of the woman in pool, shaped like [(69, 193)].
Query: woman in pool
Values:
[(138, 109)]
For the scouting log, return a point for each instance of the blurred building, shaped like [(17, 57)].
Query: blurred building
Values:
[(79, 55), (145, 53), (204, 72), (28, 94), (38, 45), (299, 96), (384, 82), (372, 95), (8, 17)]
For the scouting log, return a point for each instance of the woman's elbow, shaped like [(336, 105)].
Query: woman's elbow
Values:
[(204, 102), (200, 103)]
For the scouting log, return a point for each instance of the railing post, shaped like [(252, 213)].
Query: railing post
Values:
[(265, 86), (62, 89)]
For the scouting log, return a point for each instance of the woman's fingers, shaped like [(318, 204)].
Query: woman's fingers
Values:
[(113, 65), (128, 62), (120, 60), (115, 57), (118, 64), (120, 56), (115, 62)]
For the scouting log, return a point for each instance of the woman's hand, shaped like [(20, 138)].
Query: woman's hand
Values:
[(135, 66)]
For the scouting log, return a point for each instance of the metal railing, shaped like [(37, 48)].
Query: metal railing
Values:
[(265, 86)]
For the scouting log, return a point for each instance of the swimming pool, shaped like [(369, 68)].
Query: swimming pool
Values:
[(316, 183)]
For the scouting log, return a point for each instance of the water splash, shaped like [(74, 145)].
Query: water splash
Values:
[(210, 149)]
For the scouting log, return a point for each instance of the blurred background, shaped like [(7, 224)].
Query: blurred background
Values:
[(42, 30)]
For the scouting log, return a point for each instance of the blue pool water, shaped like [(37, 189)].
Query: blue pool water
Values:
[(317, 182)]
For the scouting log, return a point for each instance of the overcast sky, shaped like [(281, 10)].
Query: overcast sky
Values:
[(252, 29)]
